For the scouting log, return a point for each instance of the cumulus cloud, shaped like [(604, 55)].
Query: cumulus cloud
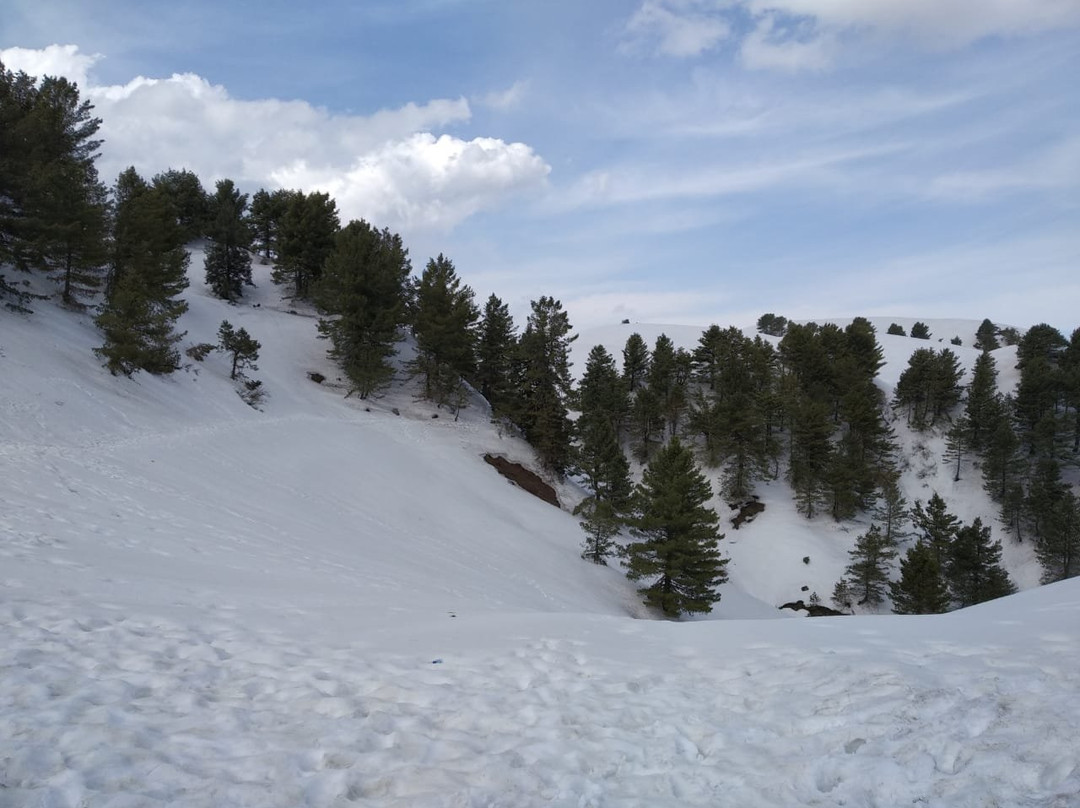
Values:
[(388, 167)]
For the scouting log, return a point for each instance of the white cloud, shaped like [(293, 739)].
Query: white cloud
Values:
[(387, 167), (677, 27), (791, 35), (55, 60), (424, 181), (506, 99), (950, 23)]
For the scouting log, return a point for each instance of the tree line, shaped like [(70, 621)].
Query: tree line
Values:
[(803, 405)]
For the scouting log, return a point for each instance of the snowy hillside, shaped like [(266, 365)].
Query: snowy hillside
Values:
[(327, 603)]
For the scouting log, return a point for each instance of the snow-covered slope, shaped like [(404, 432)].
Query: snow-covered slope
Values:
[(324, 603)]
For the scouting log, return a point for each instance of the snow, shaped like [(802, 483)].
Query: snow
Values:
[(322, 603)]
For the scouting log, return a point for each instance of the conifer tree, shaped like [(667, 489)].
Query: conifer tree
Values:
[(305, 241), (189, 201), (921, 588), (444, 323), (920, 331), (362, 292), (243, 351), (228, 261), (149, 274), (1058, 546), (986, 337), (601, 392), (496, 344), (1002, 465), (983, 407), (676, 553), (601, 524), (635, 362), (602, 463), (891, 512), (896, 330), (811, 453), (973, 566), (936, 526), (267, 211), (956, 444), (867, 575), (544, 384), (772, 324)]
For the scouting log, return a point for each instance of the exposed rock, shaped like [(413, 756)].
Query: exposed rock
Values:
[(814, 610), (747, 512)]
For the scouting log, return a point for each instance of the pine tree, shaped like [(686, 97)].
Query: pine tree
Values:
[(772, 324), (362, 292), (149, 274), (601, 392), (228, 261), (267, 211), (921, 588), (602, 463), (936, 526), (189, 200), (973, 566), (242, 349), (1002, 465), (444, 323), (956, 444), (306, 240), (811, 453), (896, 330), (920, 331), (983, 408), (867, 575), (496, 344), (601, 524), (1058, 546), (891, 511), (544, 383), (676, 552), (986, 337), (635, 362)]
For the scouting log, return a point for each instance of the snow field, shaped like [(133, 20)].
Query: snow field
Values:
[(324, 604), (974, 709)]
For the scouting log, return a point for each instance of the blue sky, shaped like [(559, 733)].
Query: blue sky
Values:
[(671, 161)]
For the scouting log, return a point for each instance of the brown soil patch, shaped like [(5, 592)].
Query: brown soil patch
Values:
[(523, 478)]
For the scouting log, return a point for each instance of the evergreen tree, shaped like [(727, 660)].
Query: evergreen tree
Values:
[(1040, 391), (957, 443), (444, 324), (496, 344), (228, 261), (921, 587), (930, 386), (973, 566), (1001, 462), (867, 575), (1058, 546), (666, 381), (676, 552), (267, 212), (936, 526), (601, 524), (544, 383), (362, 292), (189, 201), (602, 463), (811, 453), (243, 351), (896, 330), (305, 241), (149, 274), (772, 324), (983, 407), (601, 393), (891, 511), (986, 337), (920, 331), (635, 362)]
